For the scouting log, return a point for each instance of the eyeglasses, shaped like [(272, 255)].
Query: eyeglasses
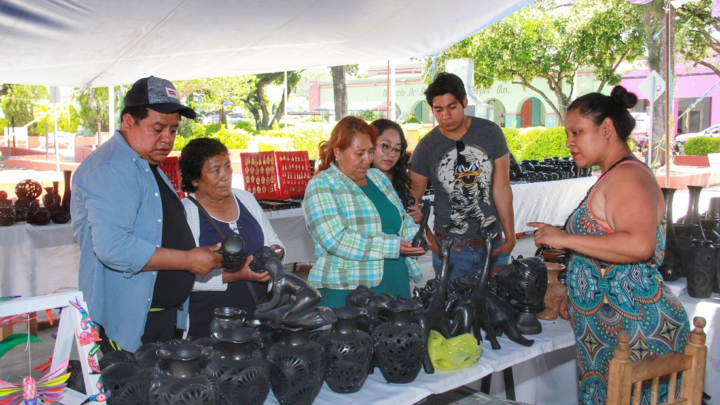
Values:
[(387, 149)]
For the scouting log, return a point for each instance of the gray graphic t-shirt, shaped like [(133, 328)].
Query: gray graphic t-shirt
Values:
[(461, 173)]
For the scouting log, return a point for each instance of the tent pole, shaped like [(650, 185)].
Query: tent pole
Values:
[(391, 107), (668, 95), (111, 109), (285, 92)]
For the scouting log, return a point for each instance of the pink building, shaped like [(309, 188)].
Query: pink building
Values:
[(690, 85)]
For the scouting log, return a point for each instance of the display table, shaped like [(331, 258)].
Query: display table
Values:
[(555, 346)]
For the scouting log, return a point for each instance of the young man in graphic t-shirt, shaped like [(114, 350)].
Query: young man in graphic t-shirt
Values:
[(466, 159)]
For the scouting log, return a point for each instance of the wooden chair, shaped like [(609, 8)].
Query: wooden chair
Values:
[(626, 377)]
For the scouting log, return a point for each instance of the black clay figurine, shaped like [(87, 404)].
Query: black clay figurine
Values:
[(483, 309), (420, 239), (300, 312), (434, 317)]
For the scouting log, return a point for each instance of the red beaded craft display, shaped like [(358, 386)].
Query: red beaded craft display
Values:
[(259, 174), (171, 168), (293, 173)]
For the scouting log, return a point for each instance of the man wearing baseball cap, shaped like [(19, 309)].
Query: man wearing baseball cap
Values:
[(138, 258)]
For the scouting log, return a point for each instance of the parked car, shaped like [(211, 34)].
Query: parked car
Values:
[(680, 140)]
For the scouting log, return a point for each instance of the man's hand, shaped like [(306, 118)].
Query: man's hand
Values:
[(201, 260), (245, 274), (416, 213), (549, 236), (506, 247), (406, 249)]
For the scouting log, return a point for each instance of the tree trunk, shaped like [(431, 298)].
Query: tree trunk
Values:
[(340, 91), (655, 18), (223, 117)]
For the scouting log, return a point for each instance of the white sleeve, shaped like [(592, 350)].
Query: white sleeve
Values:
[(256, 211)]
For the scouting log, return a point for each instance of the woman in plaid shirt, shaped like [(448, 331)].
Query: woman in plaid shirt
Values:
[(360, 228)]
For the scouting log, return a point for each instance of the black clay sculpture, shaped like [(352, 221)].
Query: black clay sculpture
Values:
[(300, 312), (182, 381), (482, 309), (227, 318), (7, 215), (261, 257), (233, 252), (365, 298), (420, 238), (349, 351), (434, 317), (672, 263), (297, 367), (400, 345), (242, 374), (127, 382)]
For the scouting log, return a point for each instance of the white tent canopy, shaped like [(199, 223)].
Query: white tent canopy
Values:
[(110, 42)]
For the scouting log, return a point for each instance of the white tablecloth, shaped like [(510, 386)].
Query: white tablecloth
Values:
[(36, 260)]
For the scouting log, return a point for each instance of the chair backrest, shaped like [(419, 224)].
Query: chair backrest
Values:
[(626, 377)]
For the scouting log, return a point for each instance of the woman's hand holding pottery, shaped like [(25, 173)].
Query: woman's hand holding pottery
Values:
[(406, 249), (548, 235), (244, 273)]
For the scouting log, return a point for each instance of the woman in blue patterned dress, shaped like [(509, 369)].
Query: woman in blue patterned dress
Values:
[(617, 240)]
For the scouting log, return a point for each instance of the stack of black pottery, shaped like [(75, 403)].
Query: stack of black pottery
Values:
[(555, 168), (691, 245), (27, 208)]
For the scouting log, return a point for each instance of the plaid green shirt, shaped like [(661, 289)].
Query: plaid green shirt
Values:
[(349, 243)]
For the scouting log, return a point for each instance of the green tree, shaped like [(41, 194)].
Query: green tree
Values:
[(19, 102), (67, 118), (257, 103), (368, 115), (698, 35), (94, 109), (551, 40)]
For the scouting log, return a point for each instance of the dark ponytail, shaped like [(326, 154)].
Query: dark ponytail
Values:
[(597, 107)]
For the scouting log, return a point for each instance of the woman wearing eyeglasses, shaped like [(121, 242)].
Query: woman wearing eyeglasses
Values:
[(390, 158), (360, 228)]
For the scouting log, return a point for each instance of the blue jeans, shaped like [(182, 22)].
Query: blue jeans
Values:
[(469, 260)]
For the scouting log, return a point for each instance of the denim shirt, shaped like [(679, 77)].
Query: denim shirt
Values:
[(117, 220)]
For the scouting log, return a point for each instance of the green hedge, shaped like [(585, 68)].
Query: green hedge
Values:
[(702, 145), (536, 143)]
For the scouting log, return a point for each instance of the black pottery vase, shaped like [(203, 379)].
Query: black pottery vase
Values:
[(127, 382), (672, 263), (180, 381), (242, 374), (7, 215), (297, 368), (349, 351), (693, 212), (227, 318), (702, 272), (400, 345)]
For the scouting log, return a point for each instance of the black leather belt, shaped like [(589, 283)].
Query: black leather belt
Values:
[(471, 243)]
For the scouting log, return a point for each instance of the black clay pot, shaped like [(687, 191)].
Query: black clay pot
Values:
[(400, 345), (114, 357), (181, 380), (227, 318), (127, 382), (41, 217), (672, 264), (61, 216), (21, 215), (146, 355), (349, 351), (702, 272), (242, 374), (7, 215), (297, 368), (233, 252)]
